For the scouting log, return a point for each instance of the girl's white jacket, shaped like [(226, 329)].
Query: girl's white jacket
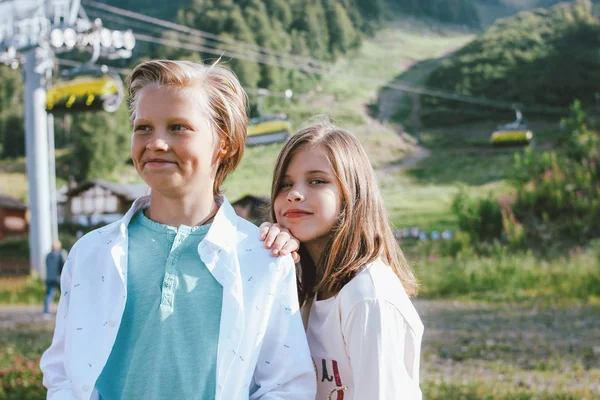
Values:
[(262, 350)]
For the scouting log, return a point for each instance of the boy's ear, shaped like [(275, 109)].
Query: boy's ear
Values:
[(226, 151)]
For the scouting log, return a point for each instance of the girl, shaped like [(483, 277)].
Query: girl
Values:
[(363, 331), (179, 299)]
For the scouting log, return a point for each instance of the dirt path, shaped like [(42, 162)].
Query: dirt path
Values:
[(390, 99), (536, 348), (419, 154), (540, 349)]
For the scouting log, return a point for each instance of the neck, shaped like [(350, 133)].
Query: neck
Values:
[(191, 210), (315, 250)]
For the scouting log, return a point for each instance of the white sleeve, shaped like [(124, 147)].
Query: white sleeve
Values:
[(284, 370), (384, 352), (52, 362)]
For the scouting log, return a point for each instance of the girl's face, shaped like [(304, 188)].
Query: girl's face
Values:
[(309, 199), (173, 144)]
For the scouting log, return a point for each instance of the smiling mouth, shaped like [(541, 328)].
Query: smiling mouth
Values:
[(296, 214), (158, 162)]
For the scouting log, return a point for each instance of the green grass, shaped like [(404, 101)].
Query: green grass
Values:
[(412, 204), (22, 290), (253, 176), (508, 276), (344, 96), (483, 389), (13, 176)]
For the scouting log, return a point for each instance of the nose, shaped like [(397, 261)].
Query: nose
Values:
[(157, 143), (295, 196)]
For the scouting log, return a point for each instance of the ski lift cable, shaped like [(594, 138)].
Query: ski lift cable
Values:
[(197, 32), (472, 99), (396, 86), (199, 41), (437, 94), (255, 58), (77, 64), (393, 85), (191, 38), (127, 71)]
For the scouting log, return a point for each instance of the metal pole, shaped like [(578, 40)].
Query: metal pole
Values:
[(259, 105), (52, 177), (36, 143)]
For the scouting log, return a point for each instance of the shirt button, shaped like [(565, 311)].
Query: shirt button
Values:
[(86, 388), (111, 323)]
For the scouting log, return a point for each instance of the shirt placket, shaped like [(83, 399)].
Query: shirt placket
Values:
[(170, 280)]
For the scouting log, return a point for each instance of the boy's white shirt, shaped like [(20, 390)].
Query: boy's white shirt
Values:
[(366, 341), (262, 345)]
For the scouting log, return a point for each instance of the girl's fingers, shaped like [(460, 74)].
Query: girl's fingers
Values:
[(290, 246), (264, 229), (271, 235), (280, 241), (295, 257)]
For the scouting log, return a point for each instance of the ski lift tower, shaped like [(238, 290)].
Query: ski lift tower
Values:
[(32, 32)]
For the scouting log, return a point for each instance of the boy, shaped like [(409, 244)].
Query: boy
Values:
[(180, 299)]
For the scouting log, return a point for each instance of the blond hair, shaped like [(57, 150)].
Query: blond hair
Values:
[(362, 233), (226, 99)]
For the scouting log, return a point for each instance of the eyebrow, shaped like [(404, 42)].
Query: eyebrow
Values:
[(170, 120), (311, 172)]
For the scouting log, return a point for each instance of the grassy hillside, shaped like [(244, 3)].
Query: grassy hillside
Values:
[(345, 94), (542, 59), (489, 11)]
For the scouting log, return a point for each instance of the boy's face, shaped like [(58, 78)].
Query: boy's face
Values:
[(173, 143)]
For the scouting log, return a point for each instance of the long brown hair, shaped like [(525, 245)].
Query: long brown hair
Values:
[(363, 233)]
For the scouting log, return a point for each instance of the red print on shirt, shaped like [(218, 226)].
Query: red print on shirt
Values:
[(340, 388)]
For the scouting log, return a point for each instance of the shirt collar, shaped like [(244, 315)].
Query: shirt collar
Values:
[(223, 230)]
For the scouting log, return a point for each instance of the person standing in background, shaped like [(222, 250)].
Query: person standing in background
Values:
[(54, 264)]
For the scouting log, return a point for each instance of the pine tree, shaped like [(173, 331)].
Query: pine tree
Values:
[(101, 143), (247, 71), (310, 19), (259, 22), (342, 34)]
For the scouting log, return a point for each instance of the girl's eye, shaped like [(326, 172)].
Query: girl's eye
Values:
[(317, 182), (285, 185)]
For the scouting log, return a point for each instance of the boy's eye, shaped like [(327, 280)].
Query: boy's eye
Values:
[(179, 127), (142, 128)]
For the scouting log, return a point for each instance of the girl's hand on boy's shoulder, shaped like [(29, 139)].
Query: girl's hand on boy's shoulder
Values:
[(279, 240)]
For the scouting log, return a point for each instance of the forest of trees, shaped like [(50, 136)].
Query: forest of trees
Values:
[(544, 59), (322, 30)]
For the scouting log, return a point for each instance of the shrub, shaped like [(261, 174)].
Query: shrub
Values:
[(558, 194), (480, 218), (22, 380)]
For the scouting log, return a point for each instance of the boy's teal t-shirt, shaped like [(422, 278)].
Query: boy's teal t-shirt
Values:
[(166, 347)]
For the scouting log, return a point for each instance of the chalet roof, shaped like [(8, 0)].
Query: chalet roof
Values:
[(126, 191), (11, 203)]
